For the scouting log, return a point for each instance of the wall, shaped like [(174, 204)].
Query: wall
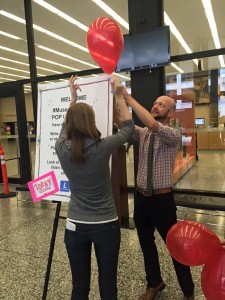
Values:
[(7, 110)]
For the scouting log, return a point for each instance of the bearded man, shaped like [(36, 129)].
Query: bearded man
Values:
[(154, 206)]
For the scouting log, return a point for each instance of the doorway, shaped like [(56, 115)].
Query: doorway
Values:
[(14, 137)]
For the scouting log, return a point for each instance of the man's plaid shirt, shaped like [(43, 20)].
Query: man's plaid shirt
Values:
[(165, 147)]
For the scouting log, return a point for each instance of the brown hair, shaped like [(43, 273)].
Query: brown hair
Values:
[(80, 124)]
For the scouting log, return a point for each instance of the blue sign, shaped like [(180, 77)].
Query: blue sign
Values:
[(64, 186)]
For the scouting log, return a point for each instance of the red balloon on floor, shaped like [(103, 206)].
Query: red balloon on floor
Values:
[(105, 43), (213, 277), (191, 243)]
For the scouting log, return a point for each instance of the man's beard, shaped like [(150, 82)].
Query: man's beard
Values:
[(160, 118)]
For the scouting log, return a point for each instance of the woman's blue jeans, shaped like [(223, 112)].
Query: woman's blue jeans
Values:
[(106, 240)]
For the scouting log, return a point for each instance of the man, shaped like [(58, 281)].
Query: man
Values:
[(154, 206)]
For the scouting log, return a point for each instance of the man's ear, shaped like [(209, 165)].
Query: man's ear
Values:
[(171, 113)]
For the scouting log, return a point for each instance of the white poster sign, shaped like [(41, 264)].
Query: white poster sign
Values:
[(53, 102)]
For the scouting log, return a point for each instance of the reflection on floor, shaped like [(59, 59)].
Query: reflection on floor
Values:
[(207, 174), (25, 234)]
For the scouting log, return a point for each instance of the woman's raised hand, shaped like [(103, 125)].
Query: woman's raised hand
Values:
[(73, 88), (116, 88)]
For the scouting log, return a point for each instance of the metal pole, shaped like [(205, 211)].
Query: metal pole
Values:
[(51, 250)]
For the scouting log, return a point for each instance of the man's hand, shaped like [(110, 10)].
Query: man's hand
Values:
[(126, 96), (73, 88)]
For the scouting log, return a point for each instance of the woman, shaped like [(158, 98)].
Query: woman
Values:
[(92, 216)]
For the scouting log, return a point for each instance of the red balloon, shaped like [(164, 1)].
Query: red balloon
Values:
[(105, 43), (191, 243), (213, 277)]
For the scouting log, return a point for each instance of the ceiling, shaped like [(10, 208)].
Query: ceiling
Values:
[(188, 17)]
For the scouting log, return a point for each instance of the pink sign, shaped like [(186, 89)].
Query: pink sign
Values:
[(43, 186)]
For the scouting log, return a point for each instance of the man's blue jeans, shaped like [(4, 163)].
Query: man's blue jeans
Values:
[(106, 240)]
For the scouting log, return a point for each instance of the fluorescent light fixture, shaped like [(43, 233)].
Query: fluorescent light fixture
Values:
[(111, 12), (19, 70), (49, 70), (176, 67), (60, 38), (13, 50), (65, 55), (14, 61), (10, 35), (13, 75), (212, 24), (38, 58), (25, 64), (14, 69), (71, 20), (211, 20), (11, 16), (56, 64), (61, 14), (177, 35), (7, 79), (62, 54), (41, 29)]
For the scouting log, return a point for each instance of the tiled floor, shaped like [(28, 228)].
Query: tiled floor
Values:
[(25, 235), (26, 231)]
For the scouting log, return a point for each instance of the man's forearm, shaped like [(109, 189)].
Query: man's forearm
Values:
[(142, 113)]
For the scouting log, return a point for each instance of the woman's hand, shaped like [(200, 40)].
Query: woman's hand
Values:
[(116, 88), (120, 109), (119, 90), (73, 88)]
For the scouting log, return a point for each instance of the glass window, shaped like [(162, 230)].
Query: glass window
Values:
[(201, 115), (191, 27)]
